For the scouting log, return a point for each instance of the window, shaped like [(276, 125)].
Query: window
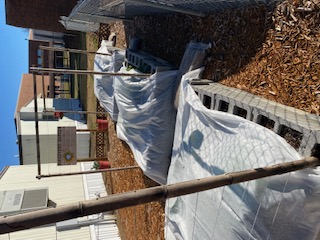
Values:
[(39, 58)]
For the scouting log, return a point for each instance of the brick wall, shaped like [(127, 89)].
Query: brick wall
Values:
[(38, 14), (26, 89)]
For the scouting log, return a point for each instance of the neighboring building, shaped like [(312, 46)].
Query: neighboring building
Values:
[(39, 58), (48, 123), (38, 14), (19, 189), (48, 129), (44, 16), (45, 58)]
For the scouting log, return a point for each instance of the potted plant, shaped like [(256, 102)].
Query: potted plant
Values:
[(102, 124), (101, 165)]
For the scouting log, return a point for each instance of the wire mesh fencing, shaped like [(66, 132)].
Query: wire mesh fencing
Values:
[(104, 11)]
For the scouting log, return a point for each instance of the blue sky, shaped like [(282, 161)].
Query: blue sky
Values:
[(14, 62)]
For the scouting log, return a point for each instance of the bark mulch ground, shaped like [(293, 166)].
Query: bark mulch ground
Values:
[(271, 51)]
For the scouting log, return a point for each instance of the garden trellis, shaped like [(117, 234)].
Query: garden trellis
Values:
[(42, 71)]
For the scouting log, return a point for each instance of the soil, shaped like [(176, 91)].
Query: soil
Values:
[(251, 51)]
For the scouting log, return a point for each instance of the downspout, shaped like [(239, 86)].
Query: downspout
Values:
[(51, 75)]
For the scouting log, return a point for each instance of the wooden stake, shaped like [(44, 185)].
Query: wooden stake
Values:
[(90, 130), (60, 49), (42, 217), (87, 172), (91, 159), (75, 111)]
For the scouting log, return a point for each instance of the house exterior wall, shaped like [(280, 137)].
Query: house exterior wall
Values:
[(48, 130), (48, 149), (38, 14), (62, 190)]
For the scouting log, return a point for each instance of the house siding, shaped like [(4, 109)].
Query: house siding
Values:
[(62, 190)]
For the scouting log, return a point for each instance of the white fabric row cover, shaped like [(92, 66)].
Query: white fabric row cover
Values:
[(143, 109), (209, 143), (103, 85), (146, 119)]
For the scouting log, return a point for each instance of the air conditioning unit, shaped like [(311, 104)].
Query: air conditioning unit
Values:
[(17, 201)]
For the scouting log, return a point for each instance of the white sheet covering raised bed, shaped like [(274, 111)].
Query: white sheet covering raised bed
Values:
[(146, 119), (103, 85), (143, 109), (209, 143)]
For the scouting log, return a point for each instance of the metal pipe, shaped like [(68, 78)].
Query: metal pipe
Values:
[(33, 219), (169, 8), (87, 172), (51, 75), (42, 77), (36, 119), (43, 92), (84, 72)]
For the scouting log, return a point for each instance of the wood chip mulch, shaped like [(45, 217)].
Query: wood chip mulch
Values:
[(141, 222), (271, 51)]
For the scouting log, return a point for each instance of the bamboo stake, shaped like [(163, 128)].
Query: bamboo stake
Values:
[(90, 130), (87, 172), (84, 72), (60, 49), (116, 201)]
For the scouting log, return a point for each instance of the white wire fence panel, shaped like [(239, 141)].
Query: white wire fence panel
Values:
[(82, 26), (127, 9)]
